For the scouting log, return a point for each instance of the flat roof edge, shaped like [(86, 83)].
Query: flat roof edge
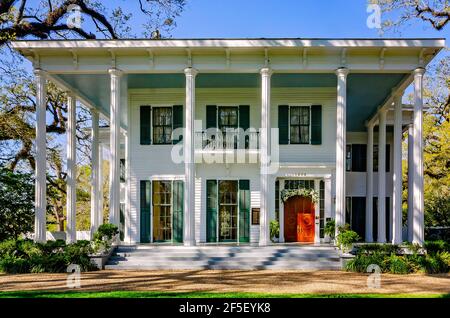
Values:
[(232, 43)]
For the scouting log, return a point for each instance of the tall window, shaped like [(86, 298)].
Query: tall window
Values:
[(299, 124), (228, 210), (228, 120), (322, 208), (122, 170), (162, 125), (162, 211)]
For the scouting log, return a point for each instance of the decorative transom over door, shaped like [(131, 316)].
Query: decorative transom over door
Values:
[(299, 220)]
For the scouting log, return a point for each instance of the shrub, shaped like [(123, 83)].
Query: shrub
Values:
[(274, 229), (437, 246), (14, 265), (361, 262), (7, 247), (330, 229), (437, 263), (377, 248), (24, 256), (398, 264), (106, 230)]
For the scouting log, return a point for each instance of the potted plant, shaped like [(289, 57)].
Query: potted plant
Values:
[(103, 244), (274, 231), (330, 230)]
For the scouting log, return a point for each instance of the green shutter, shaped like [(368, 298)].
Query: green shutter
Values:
[(316, 124), (244, 117), (283, 124), (177, 121), (244, 211), (244, 123), (211, 211), (145, 120), (211, 116), (178, 209), (145, 211)]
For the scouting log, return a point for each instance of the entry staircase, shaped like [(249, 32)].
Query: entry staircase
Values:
[(276, 257)]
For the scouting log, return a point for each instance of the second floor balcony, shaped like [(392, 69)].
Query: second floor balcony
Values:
[(216, 140)]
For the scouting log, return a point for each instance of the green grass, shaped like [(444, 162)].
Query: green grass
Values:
[(153, 294)]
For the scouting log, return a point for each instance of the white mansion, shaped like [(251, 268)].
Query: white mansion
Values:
[(212, 139)]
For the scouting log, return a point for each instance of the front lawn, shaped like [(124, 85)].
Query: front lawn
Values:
[(153, 294)]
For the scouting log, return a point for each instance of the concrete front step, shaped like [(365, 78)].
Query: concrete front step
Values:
[(224, 257)]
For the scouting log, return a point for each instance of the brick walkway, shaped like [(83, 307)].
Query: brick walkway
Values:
[(231, 281)]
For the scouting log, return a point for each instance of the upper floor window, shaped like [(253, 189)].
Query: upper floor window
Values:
[(356, 158), (300, 125), (158, 125), (162, 125), (228, 117)]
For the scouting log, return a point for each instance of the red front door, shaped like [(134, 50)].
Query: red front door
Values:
[(299, 219)]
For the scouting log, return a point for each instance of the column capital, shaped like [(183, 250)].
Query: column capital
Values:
[(420, 71), (190, 71), (266, 71), (342, 71), (38, 72), (115, 72)]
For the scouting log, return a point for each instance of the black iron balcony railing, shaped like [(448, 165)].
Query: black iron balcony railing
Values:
[(216, 140)]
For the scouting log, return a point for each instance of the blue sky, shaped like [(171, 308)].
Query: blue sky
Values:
[(284, 18)]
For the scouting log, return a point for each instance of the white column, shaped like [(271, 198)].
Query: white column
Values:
[(189, 159), (71, 190), (397, 176), (369, 185), (410, 182), (114, 164), (40, 223), (281, 213), (381, 237), (100, 185), (264, 231), (341, 128), (418, 205), (95, 167)]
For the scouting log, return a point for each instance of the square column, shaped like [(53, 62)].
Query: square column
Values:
[(369, 186), (40, 220), (114, 165), (189, 159), (418, 204), (410, 182), (266, 179), (382, 177), (397, 176), (95, 174), (71, 187), (341, 130)]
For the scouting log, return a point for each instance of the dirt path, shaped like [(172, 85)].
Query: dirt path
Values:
[(231, 281)]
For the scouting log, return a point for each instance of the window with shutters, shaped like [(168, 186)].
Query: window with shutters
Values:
[(162, 125), (299, 124)]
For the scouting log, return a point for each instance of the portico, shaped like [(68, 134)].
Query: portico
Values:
[(345, 93)]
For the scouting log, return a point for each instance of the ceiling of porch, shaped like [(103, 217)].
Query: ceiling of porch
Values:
[(366, 92)]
